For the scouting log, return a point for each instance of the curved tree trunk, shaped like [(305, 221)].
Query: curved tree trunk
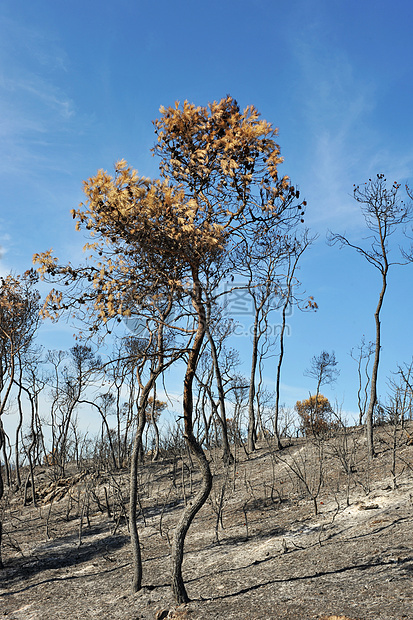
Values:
[(178, 586), (133, 496), (191, 509)]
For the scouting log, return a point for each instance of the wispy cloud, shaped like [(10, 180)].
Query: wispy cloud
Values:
[(34, 88), (34, 102), (4, 240), (344, 116), (336, 107)]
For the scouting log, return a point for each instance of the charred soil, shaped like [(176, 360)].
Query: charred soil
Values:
[(315, 531)]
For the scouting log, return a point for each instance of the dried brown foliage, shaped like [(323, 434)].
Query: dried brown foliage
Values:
[(315, 413), (219, 184)]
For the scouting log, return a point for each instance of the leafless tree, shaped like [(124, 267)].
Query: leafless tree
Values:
[(217, 331), (385, 214), (104, 404), (307, 467), (289, 297), (70, 383), (363, 355), (19, 320), (260, 268), (30, 381), (323, 368), (393, 413), (402, 384)]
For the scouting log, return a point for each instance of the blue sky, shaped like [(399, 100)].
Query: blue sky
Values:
[(80, 83)]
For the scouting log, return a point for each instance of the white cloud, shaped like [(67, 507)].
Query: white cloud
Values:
[(34, 102), (336, 106), (32, 85), (343, 138)]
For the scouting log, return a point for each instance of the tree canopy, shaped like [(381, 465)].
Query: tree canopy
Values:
[(218, 184)]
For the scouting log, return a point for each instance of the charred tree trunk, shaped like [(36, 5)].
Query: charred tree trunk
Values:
[(1, 490), (192, 508), (292, 266), (155, 455), (18, 429), (374, 372), (278, 378), (252, 433), (133, 496), (227, 456)]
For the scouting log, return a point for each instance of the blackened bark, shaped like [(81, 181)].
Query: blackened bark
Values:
[(374, 372), (227, 456), (252, 435), (1, 489), (192, 508), (133, 496)]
